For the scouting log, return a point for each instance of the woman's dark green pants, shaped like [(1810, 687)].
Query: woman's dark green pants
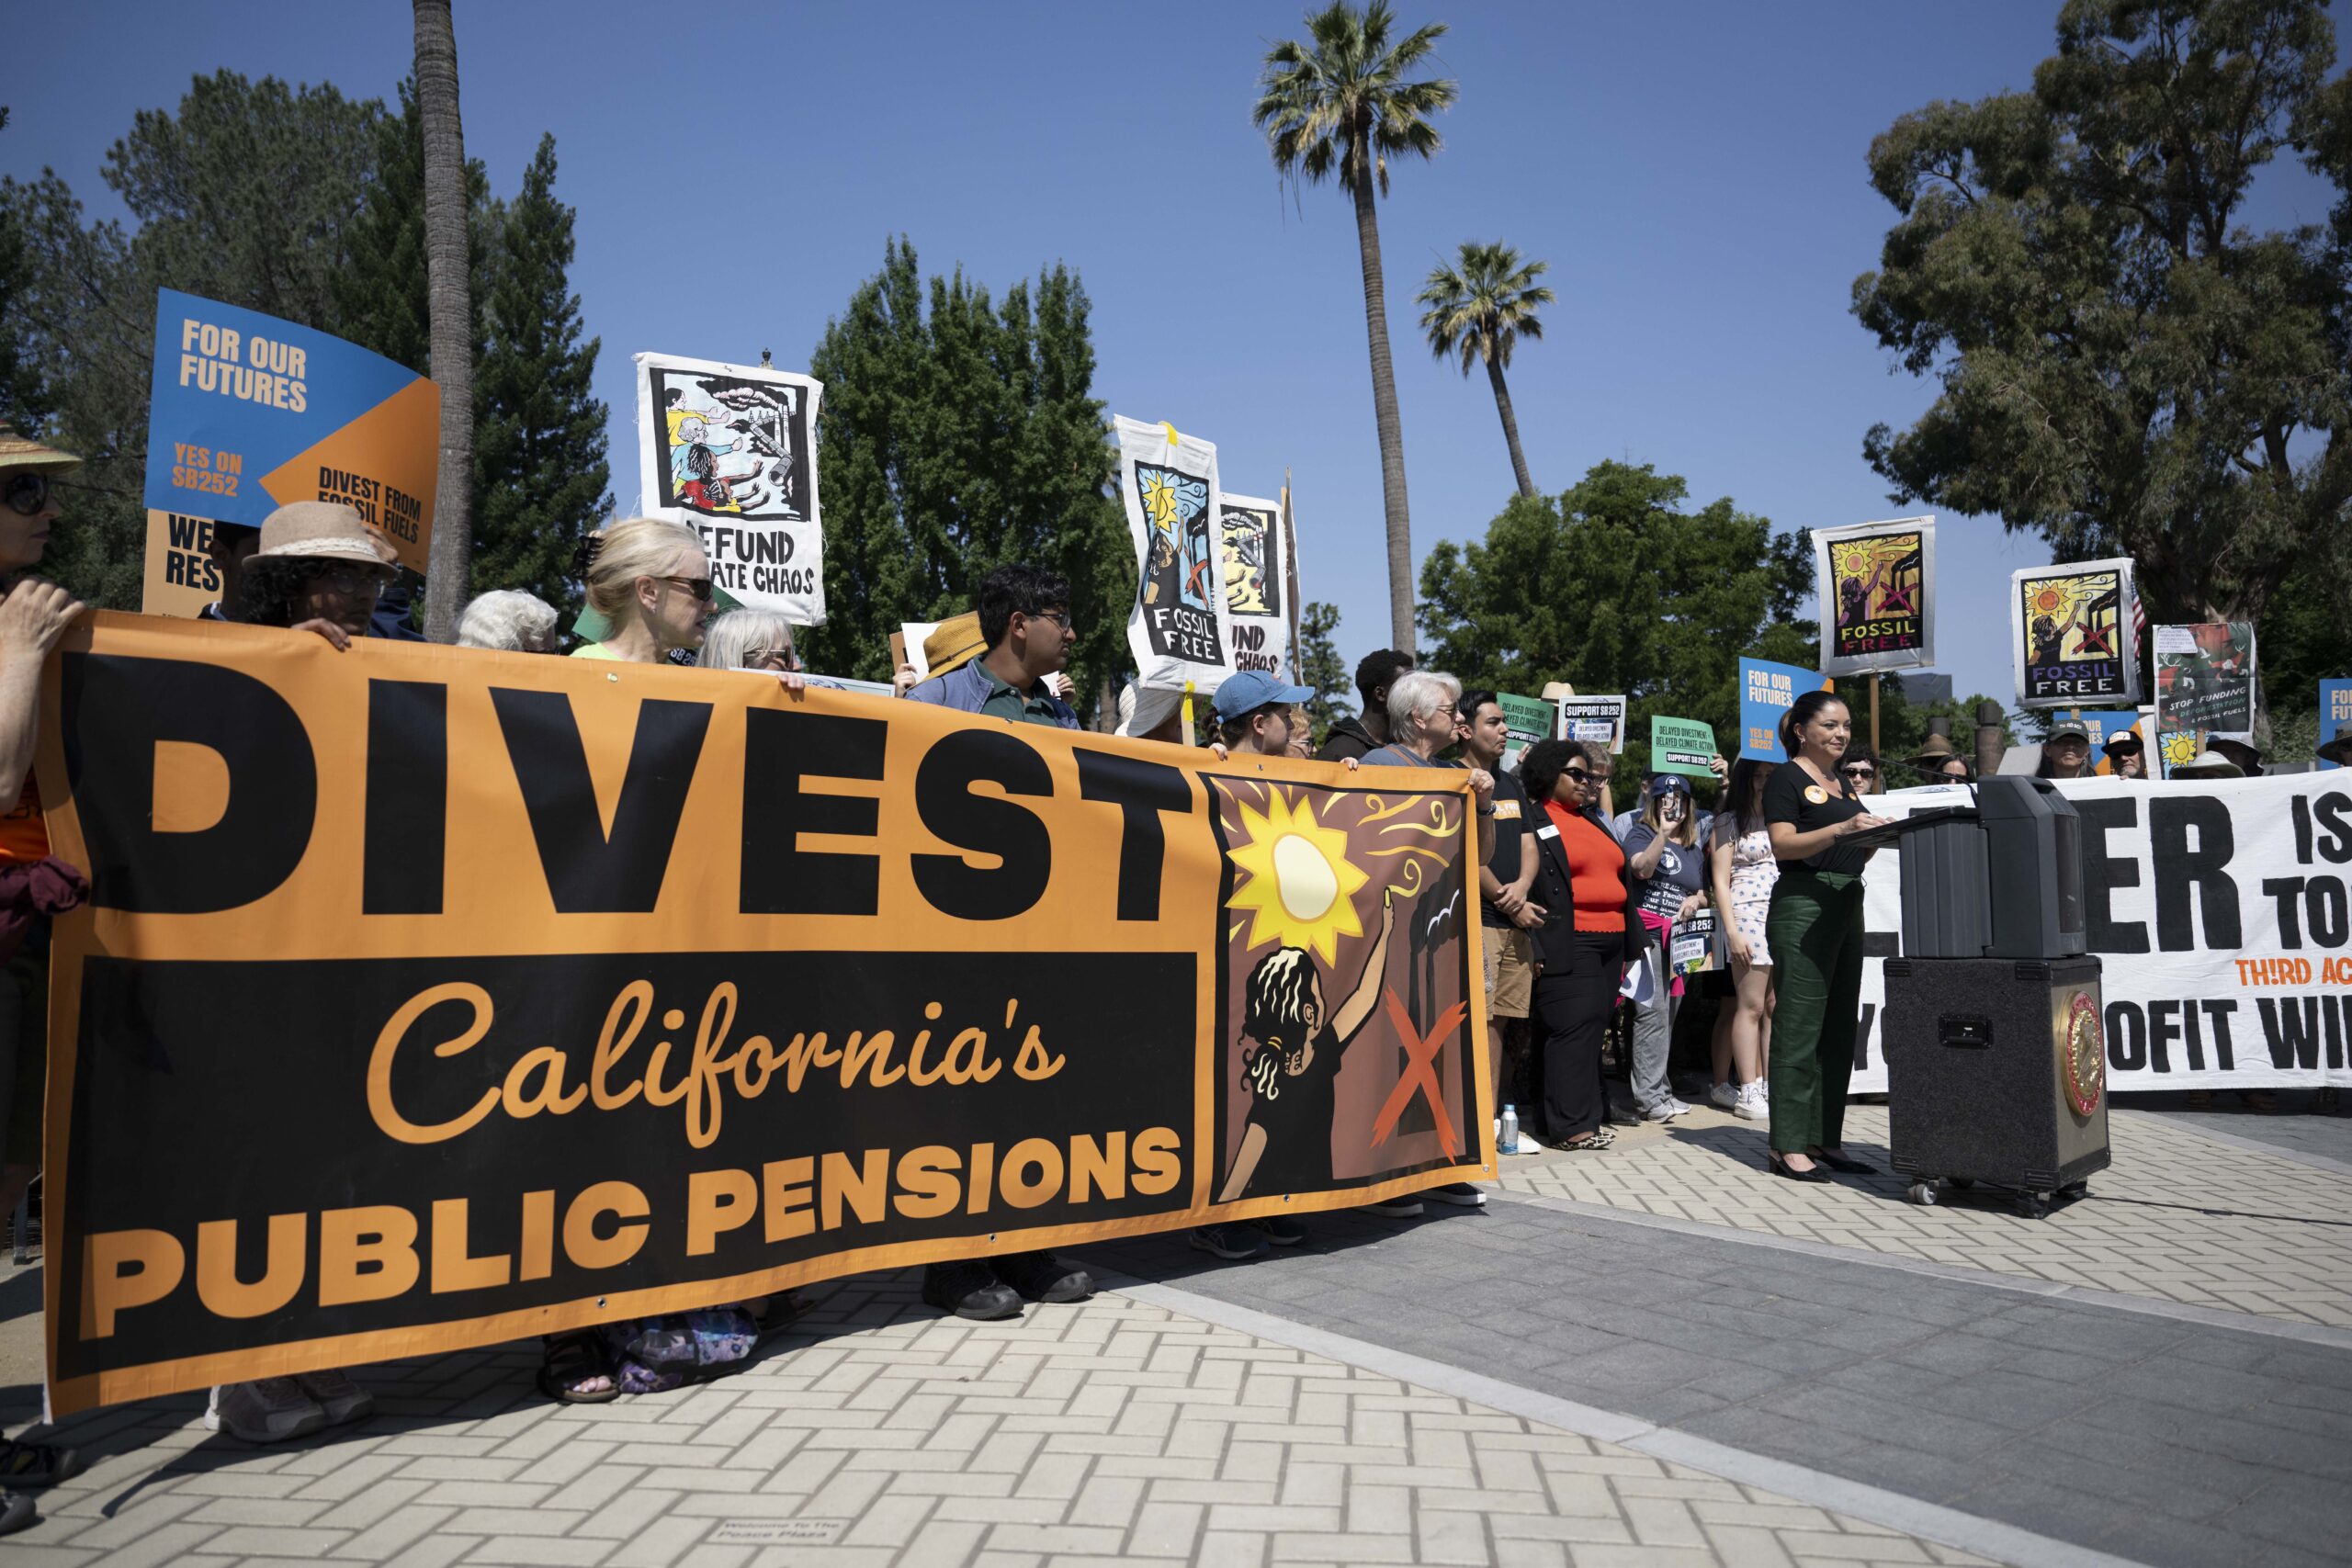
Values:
[(1815, 932)]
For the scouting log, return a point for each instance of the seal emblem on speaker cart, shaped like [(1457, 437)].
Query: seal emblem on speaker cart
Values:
[(2082, 1054)]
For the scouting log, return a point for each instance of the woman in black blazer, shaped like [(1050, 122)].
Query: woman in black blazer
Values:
[(1591, 930)]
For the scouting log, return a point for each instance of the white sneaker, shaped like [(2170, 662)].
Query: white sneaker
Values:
[(1725, 1097), (1752, 1106), (1665, 1110), (269, 1411), (341, 1399)]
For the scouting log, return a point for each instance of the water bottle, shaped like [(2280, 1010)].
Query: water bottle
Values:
[(1507, 1142)]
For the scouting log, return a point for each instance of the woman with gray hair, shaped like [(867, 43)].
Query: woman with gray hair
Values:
[(750, 639), (509, 620)]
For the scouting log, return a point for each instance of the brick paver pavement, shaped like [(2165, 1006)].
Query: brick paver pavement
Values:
[(880, 1433), (2180, 1216)]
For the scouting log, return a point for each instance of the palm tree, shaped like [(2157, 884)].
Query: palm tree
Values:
[(1339, 103), (449, 305), (1480, 308)]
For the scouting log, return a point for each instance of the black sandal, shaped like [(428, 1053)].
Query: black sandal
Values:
[(36, 1464), (572, 1359), (1850, 1167)]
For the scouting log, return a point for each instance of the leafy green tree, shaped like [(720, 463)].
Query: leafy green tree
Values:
[(540, 458), (1617, 586), (1478, 309), (247, 194), (1320, 668), (2125, 368), (959, 433), (1340, 103)]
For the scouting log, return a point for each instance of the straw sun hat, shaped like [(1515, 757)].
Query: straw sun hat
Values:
[(19, 451), (321, 530)]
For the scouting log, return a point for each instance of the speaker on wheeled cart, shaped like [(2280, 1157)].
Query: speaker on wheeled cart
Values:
[(1994, 1038)]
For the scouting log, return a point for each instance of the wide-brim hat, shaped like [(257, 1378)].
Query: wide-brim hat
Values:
[(2209, 765), (1935, 750), (19, 451), (321, 530), (1151, 708), (954, 643), (2338, 750), (2247, 758), (1555, 690)]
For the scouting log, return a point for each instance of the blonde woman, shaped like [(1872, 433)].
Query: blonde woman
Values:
[(650, 581)]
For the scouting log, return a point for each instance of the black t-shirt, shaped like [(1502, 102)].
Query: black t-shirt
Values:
[(1679, 873), (1792, 795), (1511, 821), (1297, 1116)]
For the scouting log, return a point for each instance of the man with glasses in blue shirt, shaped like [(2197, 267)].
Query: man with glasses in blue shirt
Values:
[(1026, 622)]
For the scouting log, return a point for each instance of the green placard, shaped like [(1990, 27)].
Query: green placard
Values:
[(1681, 746)]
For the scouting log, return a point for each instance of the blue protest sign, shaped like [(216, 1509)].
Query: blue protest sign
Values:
[(1767, 691), (247, 412), (2335, 712)]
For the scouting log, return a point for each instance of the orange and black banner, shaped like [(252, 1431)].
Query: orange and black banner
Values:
[(432, 997)]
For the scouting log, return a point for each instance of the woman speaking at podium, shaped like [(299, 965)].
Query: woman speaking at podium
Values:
[(1815, 931)]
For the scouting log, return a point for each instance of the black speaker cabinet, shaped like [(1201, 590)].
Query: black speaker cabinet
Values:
[(1995, 1072)]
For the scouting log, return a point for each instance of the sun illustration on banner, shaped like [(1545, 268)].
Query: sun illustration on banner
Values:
[(2181, 747), (1299, 885)]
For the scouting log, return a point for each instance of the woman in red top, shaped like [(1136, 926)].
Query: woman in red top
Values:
[(33, 615), (1590, 931)]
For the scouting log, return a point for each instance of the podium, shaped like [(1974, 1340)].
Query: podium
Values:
[(1995, 1027)]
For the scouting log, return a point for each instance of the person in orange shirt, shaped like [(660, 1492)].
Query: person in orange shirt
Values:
[(34, 615), (1590, 931)]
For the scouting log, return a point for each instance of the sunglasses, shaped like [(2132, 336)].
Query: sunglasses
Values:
[(1576, 773), (699, 587), (1864, 772), (351, 584), (28, 492)]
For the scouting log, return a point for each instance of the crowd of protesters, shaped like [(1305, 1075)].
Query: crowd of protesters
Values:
[(1579, 909)]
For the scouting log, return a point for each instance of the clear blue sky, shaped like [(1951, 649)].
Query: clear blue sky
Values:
[(1694, 173)]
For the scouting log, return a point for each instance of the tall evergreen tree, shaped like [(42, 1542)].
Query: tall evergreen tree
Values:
[(540, 458), (380, 297), (1320, 668), (958, 434), (248, 193)]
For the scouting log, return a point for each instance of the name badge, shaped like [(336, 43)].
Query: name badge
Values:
[(1547, 831)]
